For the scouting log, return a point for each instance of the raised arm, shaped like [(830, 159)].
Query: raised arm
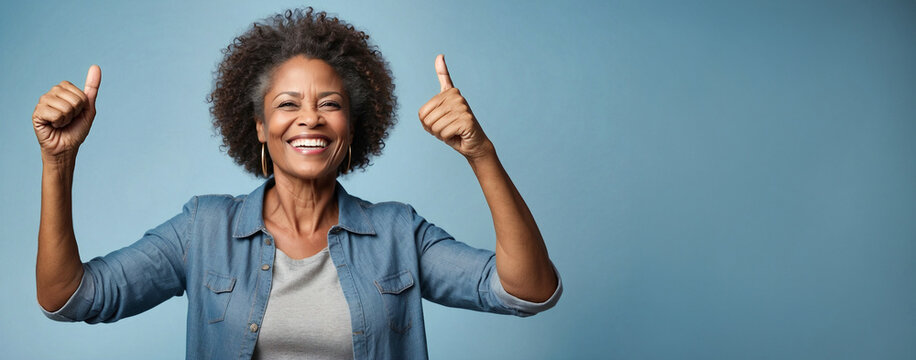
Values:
[(61, 121), (522, 263)]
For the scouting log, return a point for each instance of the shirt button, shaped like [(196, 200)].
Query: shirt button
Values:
[(267, 242), (265, 267), (253, 327)]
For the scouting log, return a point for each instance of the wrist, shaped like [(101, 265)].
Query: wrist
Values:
[(486, 152), (485, 164), (58, 161)]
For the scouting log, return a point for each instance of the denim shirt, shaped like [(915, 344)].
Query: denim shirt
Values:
[(219, 252)]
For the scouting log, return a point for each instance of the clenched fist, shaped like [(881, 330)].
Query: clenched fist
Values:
[(64, 115), (448, 117)]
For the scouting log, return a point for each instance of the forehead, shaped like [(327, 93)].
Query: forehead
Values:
[(304, 74)]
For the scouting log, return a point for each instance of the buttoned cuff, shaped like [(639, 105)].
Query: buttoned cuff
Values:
[(524, 307), (78, 303)]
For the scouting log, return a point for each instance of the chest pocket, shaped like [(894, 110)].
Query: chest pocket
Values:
[(217, 301), (394, 292)]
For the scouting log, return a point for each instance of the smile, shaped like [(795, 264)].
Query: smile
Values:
[(309, 145)]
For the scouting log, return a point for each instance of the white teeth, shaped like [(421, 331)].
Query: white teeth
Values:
[(311, 142)]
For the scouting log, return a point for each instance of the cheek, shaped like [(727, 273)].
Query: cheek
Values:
[(272, 133), (346, 126), (276, 124)]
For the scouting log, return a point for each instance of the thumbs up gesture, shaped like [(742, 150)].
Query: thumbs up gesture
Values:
[(448, 117), (64, 115)]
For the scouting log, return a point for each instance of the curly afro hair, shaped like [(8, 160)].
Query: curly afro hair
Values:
[(243, 78)]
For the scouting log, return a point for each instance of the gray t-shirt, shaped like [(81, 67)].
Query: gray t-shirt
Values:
[(307, 316)]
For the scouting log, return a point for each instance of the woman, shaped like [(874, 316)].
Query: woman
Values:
[(298, 267)]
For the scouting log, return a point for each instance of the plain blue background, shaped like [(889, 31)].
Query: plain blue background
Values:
[(714, 179)]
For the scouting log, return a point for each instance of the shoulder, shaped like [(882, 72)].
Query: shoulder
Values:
[(215, 202), (218, 201), (210, 207), (387, 207), (223, 215), (385, 212)]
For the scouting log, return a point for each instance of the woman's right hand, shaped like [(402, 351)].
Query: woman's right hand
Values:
[(64, 115)]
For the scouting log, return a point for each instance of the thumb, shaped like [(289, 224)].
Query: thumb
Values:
[(445, 81), (93, 80)]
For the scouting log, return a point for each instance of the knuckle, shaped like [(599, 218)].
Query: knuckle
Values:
[(52, 115), (75, 100)]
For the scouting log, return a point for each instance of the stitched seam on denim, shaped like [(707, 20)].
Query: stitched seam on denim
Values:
[(390, 302), (220, 292), (405, 216), (187, 230), (483, 294), (221, 278), (397, 276)]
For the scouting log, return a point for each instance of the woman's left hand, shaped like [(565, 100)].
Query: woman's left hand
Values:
[(448, 117)]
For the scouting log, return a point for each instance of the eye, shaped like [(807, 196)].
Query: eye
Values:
[(332, 104), (286, 104)]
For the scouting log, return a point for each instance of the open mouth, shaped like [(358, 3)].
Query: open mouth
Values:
[(311, 145)]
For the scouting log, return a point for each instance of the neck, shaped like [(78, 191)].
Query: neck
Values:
[(304, 206)]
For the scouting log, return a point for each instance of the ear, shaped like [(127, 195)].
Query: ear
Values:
[(262, 131)]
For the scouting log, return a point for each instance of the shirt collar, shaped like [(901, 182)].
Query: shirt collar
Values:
[(351, 215)]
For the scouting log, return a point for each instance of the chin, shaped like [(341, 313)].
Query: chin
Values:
[(312, 173)]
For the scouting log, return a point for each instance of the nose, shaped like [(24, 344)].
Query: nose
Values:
[(308, 118)]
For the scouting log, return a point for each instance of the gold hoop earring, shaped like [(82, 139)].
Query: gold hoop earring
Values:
[(263, 161), (349, 157)]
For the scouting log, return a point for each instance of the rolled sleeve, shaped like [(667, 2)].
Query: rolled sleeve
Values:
[(78, 303), (132, 279), (522, 307), (455, 274)]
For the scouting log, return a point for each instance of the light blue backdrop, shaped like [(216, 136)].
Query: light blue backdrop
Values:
[(714, 179)]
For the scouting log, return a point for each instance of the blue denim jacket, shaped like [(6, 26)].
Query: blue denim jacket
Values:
[(219, 252)]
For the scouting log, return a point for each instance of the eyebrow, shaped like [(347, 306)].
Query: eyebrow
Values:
[(299, 95)]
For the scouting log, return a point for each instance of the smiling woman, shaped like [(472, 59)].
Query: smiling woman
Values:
[(305, 122), (298, 267), (250, 69), (306, 127)]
